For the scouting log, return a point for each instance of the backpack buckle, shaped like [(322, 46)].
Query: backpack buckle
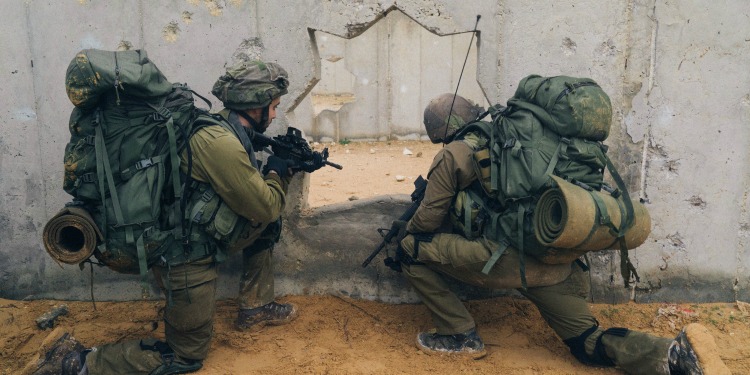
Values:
[(90, 140), (509, 143), (145, 163), (207, 195), (565, 140), (148, 232), (161, 114), (87, 178)]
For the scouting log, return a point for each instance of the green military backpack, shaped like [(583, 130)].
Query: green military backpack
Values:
[(122, 161), (551, 127)]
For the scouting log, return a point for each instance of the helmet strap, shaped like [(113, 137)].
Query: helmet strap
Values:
[(257, 126)]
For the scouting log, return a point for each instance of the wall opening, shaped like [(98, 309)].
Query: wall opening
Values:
[(367, 106)]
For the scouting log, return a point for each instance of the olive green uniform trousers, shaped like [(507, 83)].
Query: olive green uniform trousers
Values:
[(562, 303), (190, 290)]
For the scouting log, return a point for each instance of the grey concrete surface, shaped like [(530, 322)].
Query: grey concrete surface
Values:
[(676, 73)]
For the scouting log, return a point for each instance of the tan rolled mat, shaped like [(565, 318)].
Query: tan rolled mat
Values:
[(567, 217), (71, 236)]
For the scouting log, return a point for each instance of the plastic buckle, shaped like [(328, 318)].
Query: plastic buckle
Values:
[(87, 178), (509, 143), (145, 163), (161, 114), (148, 232), (565, 140), (207, 195), (90, 140)]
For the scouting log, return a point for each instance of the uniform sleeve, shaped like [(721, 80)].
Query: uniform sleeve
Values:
[(220, 160), (451, 171)]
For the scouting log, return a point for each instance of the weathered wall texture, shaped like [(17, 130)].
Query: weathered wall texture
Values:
[(395, 62), (676, 73)]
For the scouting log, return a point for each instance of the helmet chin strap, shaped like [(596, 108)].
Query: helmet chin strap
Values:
[(259, 127)]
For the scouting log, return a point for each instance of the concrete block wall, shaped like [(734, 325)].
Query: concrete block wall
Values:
[(676, 73)]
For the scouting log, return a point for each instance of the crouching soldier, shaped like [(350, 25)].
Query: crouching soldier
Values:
[(432, 249), (224, 174)]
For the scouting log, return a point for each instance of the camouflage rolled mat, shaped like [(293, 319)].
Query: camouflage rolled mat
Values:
[(567, 217), (71, 236)]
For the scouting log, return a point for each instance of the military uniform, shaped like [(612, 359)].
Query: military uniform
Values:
[(558, 291), (218, 159), (225, 173)]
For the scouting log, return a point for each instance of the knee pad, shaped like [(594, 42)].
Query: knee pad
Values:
[(599, 358)]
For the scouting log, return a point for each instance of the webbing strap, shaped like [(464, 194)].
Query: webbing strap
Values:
[(626, 267), (128, 173), (627, 220), (467, 217), (175, 163), (496, 254), (205, 198), (102, 161), (521, 254), (495, 232), (495, 155), (98, 139), (142, 266), (562, 148), (601, 211)]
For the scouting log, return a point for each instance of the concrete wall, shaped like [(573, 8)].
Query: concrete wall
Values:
[(395, 62), (676, 73)]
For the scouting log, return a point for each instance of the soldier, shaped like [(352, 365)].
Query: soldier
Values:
[(430, 250), (221, 162)]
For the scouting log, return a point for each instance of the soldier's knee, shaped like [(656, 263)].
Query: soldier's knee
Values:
[(599, 356)]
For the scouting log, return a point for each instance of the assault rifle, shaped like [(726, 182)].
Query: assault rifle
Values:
[(292, 146), (420, 185)]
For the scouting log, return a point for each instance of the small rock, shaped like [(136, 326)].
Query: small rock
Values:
[(47, 320), (347, 151), (400, 178), (353, 198), (419, 154), (407, 151), (372, 150), (316, 144)]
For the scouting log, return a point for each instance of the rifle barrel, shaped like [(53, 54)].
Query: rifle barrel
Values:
[(337, 166)]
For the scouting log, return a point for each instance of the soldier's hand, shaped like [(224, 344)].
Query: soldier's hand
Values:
[(400, 227), (282, 167), (317, 162)]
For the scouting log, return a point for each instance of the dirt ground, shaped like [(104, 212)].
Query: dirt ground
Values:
[(337, 335)]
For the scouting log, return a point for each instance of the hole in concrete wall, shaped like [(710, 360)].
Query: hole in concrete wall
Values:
[(367, 107)]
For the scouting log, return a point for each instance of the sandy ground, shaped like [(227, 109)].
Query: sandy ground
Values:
[(337, 335)]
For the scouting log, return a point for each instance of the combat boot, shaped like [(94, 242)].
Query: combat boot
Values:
[(177, 367), (465, 344), (270, 314), (65, 356), (694, 352)]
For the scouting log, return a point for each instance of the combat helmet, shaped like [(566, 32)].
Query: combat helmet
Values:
[(251, 84), (439, 127)]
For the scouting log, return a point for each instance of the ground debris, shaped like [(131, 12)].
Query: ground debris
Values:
[(674, 316), (47, 320)]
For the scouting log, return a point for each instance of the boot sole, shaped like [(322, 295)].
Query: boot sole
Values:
[(706, 350), (465, 354)]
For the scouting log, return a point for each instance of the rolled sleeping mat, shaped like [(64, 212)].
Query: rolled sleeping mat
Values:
[(567, 217), (71, 236)]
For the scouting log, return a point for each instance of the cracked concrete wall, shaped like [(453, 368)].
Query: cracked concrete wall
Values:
[(676, 73), (396, 62)]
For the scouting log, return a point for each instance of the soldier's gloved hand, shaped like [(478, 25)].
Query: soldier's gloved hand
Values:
[(400, 227), (316, 163), (280, 166)]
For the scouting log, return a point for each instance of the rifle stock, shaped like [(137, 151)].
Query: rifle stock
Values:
[(420, 185)]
